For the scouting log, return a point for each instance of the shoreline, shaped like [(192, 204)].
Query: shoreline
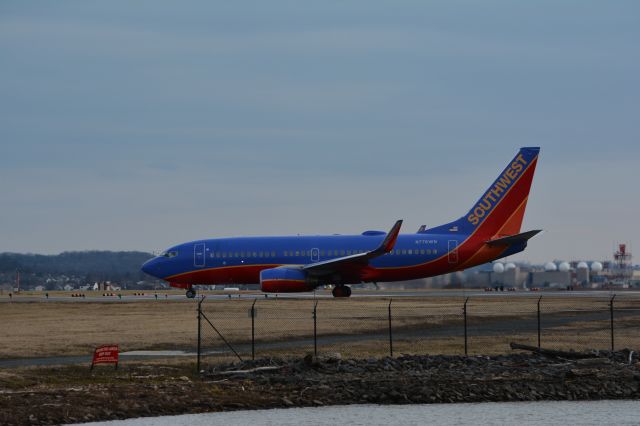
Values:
[(58, 395)]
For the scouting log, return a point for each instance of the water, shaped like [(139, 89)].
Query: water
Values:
[(477, 414)]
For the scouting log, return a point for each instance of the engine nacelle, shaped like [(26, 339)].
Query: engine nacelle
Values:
[(180, 285), (284, 280)]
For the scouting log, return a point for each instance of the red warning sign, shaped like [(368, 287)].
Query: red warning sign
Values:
[(107, 354)]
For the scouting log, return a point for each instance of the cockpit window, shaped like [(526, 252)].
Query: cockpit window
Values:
[(169, 254)]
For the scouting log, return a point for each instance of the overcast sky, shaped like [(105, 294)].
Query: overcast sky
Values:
[(137, 125)]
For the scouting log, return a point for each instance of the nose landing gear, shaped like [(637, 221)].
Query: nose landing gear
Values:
[(191, 293), (341, 291)]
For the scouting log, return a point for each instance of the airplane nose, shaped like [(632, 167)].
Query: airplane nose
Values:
[(150, 267)]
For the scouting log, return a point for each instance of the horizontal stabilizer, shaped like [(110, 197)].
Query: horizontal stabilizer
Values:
[(513, 239)]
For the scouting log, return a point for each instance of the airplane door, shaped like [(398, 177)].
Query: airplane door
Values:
[(198, 255), (315, 255), (453, 251)]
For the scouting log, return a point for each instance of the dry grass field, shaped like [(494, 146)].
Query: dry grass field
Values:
[(353, 327), (358, 327), (75, 328)]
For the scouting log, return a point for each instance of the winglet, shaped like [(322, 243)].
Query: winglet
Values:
[(330, 265), (390, 239)]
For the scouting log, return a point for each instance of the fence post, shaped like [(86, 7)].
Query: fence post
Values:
[(315, 328), (253, 329), (539, 321), (611, 312), (390, 330), (464, 312), (199, 332)]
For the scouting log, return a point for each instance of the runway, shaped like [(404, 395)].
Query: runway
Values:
[(324, 294)]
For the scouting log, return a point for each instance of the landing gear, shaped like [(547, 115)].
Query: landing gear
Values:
[(191, 293), (341, 291)]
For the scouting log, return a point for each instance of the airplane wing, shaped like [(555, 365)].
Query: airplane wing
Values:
[(512, 239), (360, 259)]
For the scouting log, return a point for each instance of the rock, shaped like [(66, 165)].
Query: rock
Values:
[(311, 360), (287, 401), (330, 357), (593, 361)]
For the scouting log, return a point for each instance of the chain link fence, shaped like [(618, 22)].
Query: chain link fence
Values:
[(372, 327)]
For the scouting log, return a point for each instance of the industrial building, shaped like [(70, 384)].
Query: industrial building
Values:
[(618, 273)]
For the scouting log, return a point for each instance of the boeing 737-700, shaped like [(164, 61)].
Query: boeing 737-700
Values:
[(489, 231)]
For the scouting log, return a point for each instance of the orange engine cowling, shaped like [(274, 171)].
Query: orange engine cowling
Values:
[(180, 285), (284, 280)]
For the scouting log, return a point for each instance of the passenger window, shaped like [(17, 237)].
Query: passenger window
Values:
[(236, 254), (321, 252), (224, 254), (341, 252), (435, 251), (421, 251), (409, 251), (297, 252), (273, 254), (404, 251)]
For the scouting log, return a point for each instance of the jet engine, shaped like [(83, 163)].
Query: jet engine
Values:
[(285, 280)]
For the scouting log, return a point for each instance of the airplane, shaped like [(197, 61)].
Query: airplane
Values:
[(489, 231)]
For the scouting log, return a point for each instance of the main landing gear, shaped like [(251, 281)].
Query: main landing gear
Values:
[(341, 291), (191, 293)]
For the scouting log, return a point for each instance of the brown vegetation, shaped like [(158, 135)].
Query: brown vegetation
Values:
[(75, 328)]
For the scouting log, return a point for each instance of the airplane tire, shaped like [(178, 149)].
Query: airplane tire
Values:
[(341, 291), (191, 293)]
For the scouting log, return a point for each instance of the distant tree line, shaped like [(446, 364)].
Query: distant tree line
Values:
[(79, 267)]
